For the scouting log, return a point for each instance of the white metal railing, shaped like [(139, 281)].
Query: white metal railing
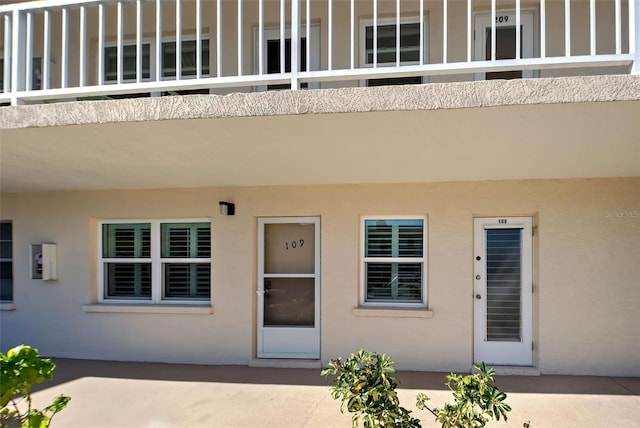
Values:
[(60, 49)]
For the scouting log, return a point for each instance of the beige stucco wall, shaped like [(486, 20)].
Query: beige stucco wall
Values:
[(456, 34), (587, 247)]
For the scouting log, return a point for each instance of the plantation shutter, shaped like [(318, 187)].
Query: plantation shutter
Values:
[(130, 278), (394, 279), (187, 277)]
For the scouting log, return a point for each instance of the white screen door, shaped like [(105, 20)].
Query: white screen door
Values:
[(289, 287), (505, 41), (502, 290)]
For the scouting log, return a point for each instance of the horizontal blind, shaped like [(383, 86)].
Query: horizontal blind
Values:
[(187, 280), (504, 275), (186, 240), (129, 280), (394, 281), (127, 240)]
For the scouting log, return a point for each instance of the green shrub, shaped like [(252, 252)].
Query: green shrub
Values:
[(20, 368), (477, 400), (365, 384)]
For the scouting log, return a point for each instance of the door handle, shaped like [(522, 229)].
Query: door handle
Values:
[(478, 297)]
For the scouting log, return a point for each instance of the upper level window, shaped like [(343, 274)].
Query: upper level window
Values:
[(129, 60), (386, 47), (394, 261), (156, 261), (188, 58)]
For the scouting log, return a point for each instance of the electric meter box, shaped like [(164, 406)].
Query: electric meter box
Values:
[(44, 261)]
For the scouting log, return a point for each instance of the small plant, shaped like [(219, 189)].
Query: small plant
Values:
[(365, 384), (477, 400), (20, 368)]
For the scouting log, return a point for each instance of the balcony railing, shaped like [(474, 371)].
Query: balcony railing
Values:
[(67, 49)]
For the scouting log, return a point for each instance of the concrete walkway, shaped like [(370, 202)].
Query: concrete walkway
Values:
[(141, 395)]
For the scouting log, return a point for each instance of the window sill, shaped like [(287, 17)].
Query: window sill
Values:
[(392, 312), (148, 309), (7, 306)]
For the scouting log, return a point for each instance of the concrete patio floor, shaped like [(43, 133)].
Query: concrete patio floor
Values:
[(123, 394)]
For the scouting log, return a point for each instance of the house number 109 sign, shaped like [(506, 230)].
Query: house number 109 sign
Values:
[(294, 244)]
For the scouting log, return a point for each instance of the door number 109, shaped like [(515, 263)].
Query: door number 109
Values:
[(294, 244)]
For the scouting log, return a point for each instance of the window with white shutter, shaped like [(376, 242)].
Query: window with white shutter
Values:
[(156, 261), (394, 256), (184, 246)]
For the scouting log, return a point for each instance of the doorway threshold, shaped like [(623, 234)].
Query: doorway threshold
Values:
[(516, 371), (285, 363)]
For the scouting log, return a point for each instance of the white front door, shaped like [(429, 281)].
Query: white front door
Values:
[(502, 291), (505, 41), (289, 287)]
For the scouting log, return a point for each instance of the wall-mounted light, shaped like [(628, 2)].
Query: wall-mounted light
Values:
[(227, 208)]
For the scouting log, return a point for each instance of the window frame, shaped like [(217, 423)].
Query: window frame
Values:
[(9, 260), (152, 59), (413, 19), (365, 260), (156, 261)]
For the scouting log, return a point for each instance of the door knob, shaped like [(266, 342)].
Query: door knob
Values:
[(478, 296)]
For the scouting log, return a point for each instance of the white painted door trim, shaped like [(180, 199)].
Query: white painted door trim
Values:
[(281, 341), (529, 37), (518, 353)]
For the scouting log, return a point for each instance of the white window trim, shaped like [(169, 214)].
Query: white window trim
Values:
[(127, 43), (155, 260), (364, 260), (152, 58), (187, 39), (415, 19)]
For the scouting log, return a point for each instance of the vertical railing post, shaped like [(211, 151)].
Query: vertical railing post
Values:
[(240, 30), (46, 57), (6, 69), (178, 40), (64, 60), (82, 57), (18, 36), (295, 44), (28, 73), (139, 41)]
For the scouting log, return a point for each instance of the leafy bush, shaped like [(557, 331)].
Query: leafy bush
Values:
[(477, 400), (364, 382), (20, 368)]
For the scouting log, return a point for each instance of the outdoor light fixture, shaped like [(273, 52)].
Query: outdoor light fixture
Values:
[(227, 208)]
